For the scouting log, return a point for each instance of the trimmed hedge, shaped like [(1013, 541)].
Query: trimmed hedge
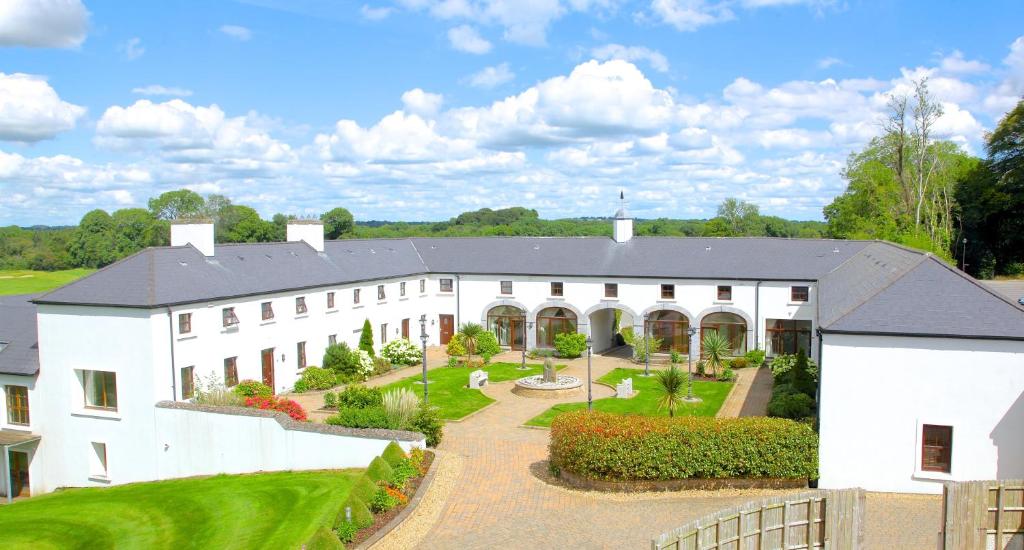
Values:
[(393, 454), (361, 514), (621, 448), (379, 470), (364, 488), (324, 539)]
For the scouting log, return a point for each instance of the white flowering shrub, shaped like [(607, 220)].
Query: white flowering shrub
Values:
[(365, 363), (401, 352)]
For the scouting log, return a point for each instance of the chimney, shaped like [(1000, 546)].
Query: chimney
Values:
[(311, 231), (198, 233), (622, 231)]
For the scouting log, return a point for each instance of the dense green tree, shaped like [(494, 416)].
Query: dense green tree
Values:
[(94, 242), (179, 204), (366, 338), (740, 217), (133, 230), (338, 222)]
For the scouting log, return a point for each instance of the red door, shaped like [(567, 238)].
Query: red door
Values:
[(405, 329), (268, 368), (447, 328)]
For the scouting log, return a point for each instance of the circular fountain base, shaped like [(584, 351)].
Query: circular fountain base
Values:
[(535, 386)]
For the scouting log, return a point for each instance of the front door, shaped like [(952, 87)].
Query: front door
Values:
[(405, 329), (447, 328), (268, 367), (19, 474), (517, 342)]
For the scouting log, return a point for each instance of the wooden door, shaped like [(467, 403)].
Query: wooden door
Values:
[(405, 329), (268, 368), (447, 328), (19, 474)]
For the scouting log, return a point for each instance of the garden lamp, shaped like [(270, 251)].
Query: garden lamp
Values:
[(423, 338), (590, 394)]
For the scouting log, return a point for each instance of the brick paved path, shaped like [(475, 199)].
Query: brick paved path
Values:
[(750, 395)]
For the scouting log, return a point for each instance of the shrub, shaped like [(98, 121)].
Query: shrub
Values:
[(537, 353), (401, 352), (613, 447), (570, 344), (252, 388), (674, 357), (487, 345), (417, 458), (381, 366), (456, 348), (330, 400), (346, 532), (453, 362), (640, 344), (347, 364), (801, 377), (672, 385), (315, 378), (361, 515), (393, 454), (349, 417), (755, 357), (292, 408), (323, 539), (386, 498), (366, 338), (727, 375), (701, 368), (362, 490), (470, 334), (782, 365), (715, 348), (360, 397), (379, 470), (739, 363), (428, 422), (400, 406), (791, 404), (404, 471), (212, 392)]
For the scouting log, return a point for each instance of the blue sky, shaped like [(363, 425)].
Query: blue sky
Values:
[(421, 109)]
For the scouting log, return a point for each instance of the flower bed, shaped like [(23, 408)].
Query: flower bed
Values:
[(288, 406), (623, 448)]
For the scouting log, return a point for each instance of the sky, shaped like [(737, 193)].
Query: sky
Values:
[(422, 109)]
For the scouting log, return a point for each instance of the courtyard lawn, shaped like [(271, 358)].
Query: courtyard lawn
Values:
[(645, 402), (449, 389), (27, 282), (274, 510)]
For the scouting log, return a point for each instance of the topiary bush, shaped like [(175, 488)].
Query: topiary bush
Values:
[(252, 388), (606, 446), (370, 417), (324, 539), (361, 515), (428, 422), (315, 378), (360, 397), (363, 489), (570, 345), (379, 470), (366, 338), (487, 345), (393, 454), (401, 352)]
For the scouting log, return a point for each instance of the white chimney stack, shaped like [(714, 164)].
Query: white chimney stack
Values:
[(198, 233), (310, 231), (622, 231)]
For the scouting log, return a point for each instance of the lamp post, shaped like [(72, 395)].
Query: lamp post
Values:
[(689, 365), (647, 345), (963, 257), (590, 393), (423, 338), (526, 332)]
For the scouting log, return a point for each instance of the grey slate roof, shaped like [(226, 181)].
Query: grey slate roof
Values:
[(18, 331), (1013, 290), (870, 270)]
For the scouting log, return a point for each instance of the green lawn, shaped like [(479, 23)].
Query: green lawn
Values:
[(448, 386), (27, 282), (645, 402), (274, 510)]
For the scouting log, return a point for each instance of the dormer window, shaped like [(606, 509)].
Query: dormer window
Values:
[(230, 319), (300, 305), (267, 309)]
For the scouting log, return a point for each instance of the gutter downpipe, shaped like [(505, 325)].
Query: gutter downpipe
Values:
[(757, 320), (458, 302), (170, 333)]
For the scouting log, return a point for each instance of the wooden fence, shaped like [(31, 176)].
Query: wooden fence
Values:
[(980, 515), (808, 520)]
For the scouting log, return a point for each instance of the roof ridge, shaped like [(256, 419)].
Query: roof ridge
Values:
[(881, 289)]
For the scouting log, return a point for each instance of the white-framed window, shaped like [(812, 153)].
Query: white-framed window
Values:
[(98, 460), (332, 339), (506, 287), (383, 333), (380, 292), (100, 389), (355, 295), (445, 285), (724, 293), (267, 310), (300, 305), (230, 319), (17, 405)]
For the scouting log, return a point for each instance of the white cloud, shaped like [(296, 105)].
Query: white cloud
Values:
[(490, 77), (242, 34), (654, 58), (132, 48), (690, 15), (828, 62), (523, 21), (398, 137), (375, 13), (158, 90), (955, 63), (418, 102), (43, 23), (1010, 90), (30, 110), (466, 39)]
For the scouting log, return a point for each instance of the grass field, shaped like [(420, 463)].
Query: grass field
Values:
[(448, 387), (275, 510), (645, 402), (27, 282)]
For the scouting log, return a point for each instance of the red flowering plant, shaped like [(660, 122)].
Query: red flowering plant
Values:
[(293, 409)]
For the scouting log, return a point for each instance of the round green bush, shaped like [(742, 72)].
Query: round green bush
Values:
[(350, 417), (393, 454), (428, 422), (791, 404), (252, 388), (487, 345), (570, 345), (360, 397), (379, 470), (315, 378)]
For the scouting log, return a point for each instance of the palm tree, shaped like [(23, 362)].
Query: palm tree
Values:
[(469, 333), (673, 387), (715, 349)]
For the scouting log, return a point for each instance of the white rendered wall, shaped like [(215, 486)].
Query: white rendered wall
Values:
[(191, 443), (876, 391), (35, 469)]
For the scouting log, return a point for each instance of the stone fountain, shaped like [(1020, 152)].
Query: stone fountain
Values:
[(550, 384)]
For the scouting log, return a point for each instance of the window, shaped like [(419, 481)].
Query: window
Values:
[(330, 300), (725, 293), (423, 286), (936, 448), (100, 389), (401, 289), (380, 292), (446, 285), (184, 323), (551, 322), (506, 287), (355, 296), (798, 294), (188, 384), (230, 319), (230, 371), (611, 290), (17, 405), (300, 305), (556, 289), (787, 336), (332, 339), (268, 310), (668, 292), (384, 333), (300, 354), (729, 326), (98, 462), (671, 328)]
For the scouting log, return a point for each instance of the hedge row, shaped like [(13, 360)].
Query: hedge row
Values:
[(623, 448)]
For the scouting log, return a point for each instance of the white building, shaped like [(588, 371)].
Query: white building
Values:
[(144, 329)]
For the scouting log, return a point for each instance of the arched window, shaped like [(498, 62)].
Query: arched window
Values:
[(552, 321), (507, 323), (671, 327), (730, 326)]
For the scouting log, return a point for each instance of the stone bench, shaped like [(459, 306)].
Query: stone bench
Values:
[(477, 379), (624, 389)]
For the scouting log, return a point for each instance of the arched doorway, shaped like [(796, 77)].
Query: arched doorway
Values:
[(671, 327), (553, 321), (508, 323), (731, 326), (606, 324)]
